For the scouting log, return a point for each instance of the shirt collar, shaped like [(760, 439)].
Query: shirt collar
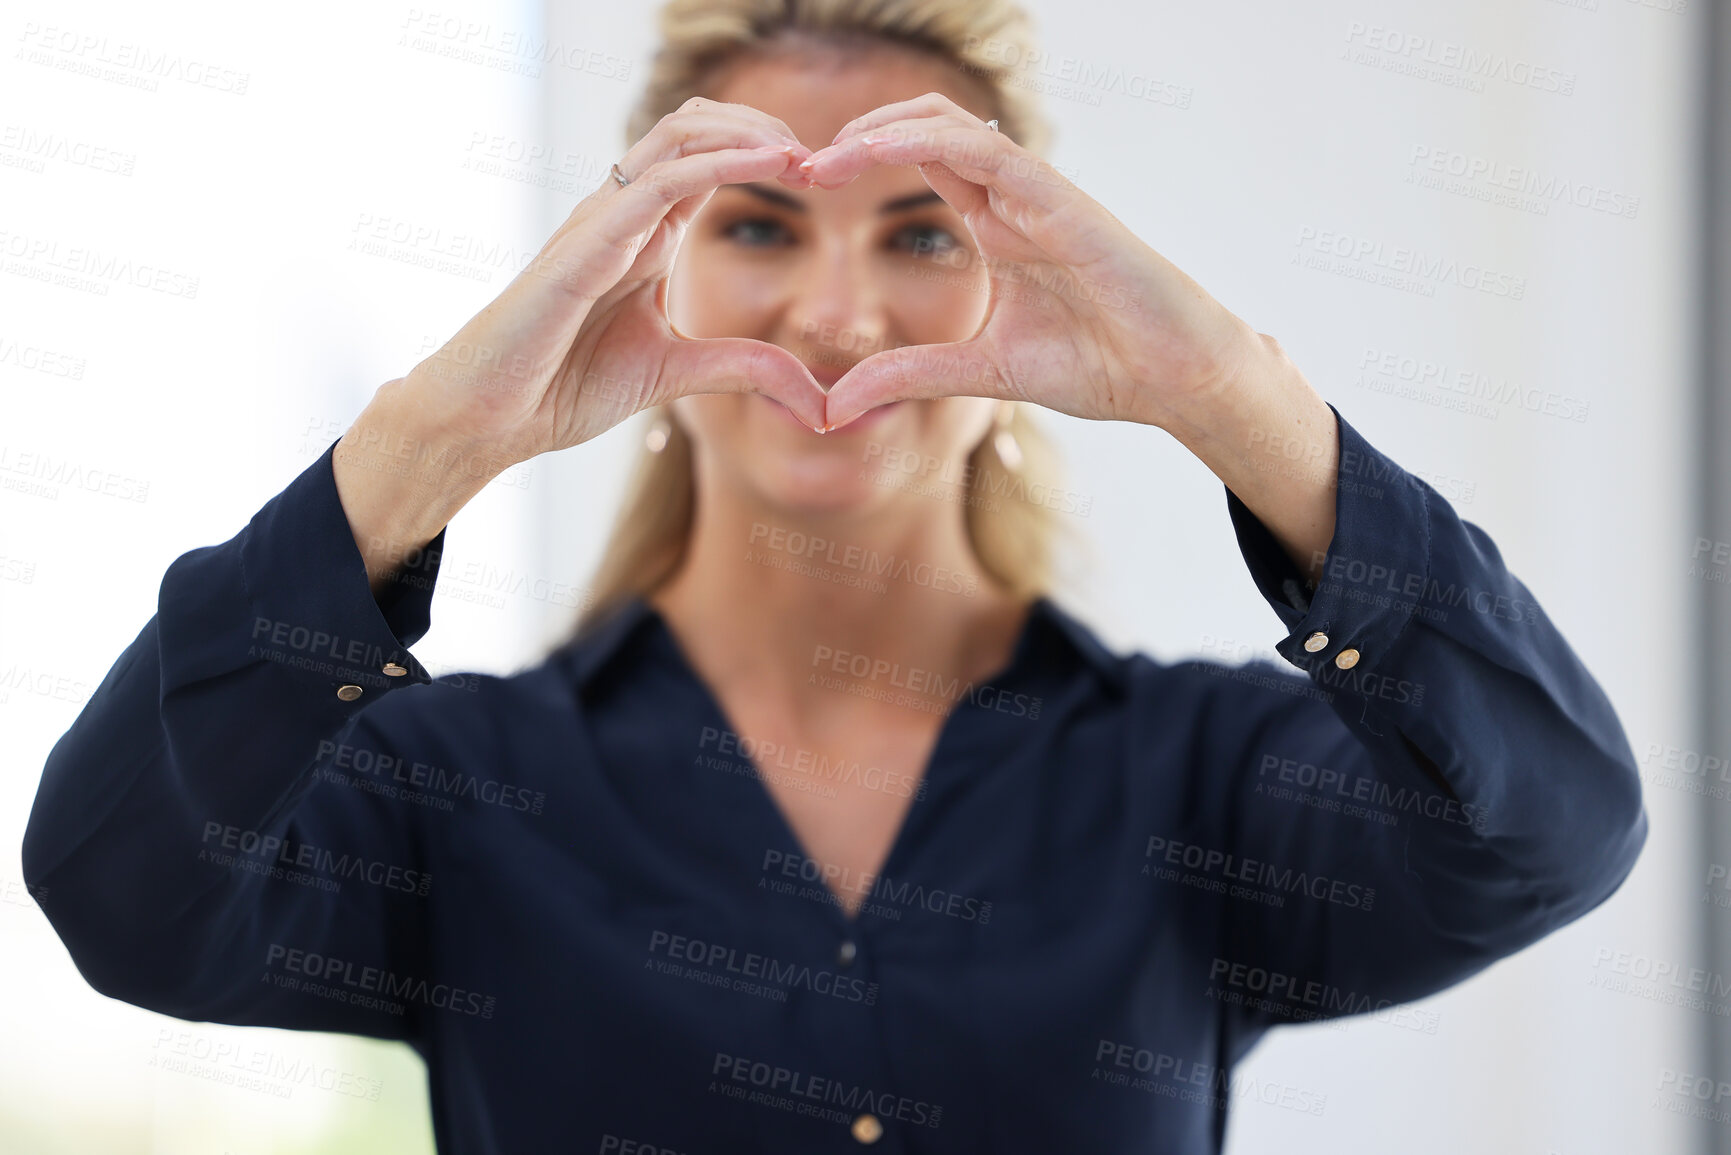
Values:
[(1050, 630)]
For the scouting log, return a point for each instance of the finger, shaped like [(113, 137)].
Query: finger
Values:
[(707, 126), (966, 197), (655, 259), (929, 104), (711, 134), (594, 250), (917, 372), (680, 216), (743, 365), (661, 187), (975, 154)]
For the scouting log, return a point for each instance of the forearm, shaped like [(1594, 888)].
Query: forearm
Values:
[(1453, 671), (1270, 437), (401, 479), (1496, 794), (211, 729)]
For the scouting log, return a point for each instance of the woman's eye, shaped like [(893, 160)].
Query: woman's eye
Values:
[(926, 240), (756, 232)]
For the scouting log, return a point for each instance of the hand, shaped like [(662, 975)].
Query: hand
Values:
[(1084, 317), (580, 340)]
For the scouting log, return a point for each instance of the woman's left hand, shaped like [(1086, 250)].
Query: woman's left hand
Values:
[(1084, 318)]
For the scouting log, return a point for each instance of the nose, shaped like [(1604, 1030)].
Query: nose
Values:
[(838, 312)]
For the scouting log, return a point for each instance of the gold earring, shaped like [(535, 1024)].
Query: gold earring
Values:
[(656, 439), (1004, 442)]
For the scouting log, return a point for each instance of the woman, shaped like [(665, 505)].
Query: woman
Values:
[(829, 828)]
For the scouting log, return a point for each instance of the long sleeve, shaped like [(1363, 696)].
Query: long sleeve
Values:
[(1448, 784), (183, 840)]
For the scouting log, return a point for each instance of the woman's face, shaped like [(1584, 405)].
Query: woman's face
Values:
[(832, 276)]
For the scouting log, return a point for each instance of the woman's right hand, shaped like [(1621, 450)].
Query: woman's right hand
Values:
[(579, 340)]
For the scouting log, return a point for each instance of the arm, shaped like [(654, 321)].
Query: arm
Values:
[(199, 724), (1509, 722), (1466, 715), (205, 742)]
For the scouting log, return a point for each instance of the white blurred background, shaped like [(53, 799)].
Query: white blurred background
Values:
[(260, 152)]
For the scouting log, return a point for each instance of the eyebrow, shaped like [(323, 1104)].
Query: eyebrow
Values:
[(778, 197)]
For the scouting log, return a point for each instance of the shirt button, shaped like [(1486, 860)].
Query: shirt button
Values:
[(867, 1129), (348, 693), (1347, 658), (1315, 641), (395, 670), (845, 955)]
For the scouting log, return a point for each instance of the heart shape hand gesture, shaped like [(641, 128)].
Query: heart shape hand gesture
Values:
[(1083, 317)]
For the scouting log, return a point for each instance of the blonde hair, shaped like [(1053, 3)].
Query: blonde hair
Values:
[(1012, 534)]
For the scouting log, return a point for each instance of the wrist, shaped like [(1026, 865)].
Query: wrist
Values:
[(1246, 376), (401, 476), (404, 422)]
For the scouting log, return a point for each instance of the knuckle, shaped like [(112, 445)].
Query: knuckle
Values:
[(659, 182)]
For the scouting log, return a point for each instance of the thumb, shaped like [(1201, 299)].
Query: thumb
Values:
[(743, 365), (919, 372)]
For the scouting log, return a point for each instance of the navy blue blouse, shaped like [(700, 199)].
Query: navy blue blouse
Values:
[(570, 892)]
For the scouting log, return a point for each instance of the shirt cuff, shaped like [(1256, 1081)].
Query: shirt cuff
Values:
[(313, 610), (1378, 559)]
